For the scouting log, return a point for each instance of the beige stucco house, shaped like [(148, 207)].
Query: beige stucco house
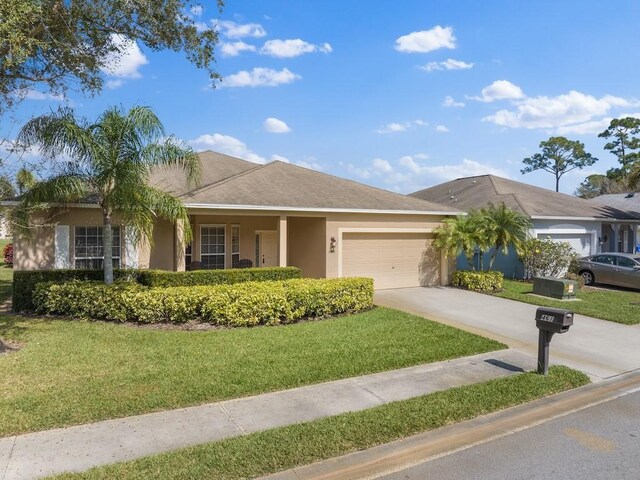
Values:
[(276, 214)]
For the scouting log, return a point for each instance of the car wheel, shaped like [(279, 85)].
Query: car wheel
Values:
[(588, 277)]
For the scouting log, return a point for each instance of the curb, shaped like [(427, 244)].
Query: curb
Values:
[(404, 453)]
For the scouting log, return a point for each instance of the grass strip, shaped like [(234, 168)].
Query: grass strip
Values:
[(287, 447), (73, 372), (615, 306)]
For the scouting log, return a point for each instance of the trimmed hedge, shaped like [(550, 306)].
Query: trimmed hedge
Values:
[(478, 281), (161, 278), (241, 304), (24, 282)]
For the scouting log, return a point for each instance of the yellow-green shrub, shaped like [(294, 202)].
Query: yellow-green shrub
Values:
[(478, 281), (242, 304)]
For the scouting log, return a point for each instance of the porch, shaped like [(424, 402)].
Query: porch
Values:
[(230, 240)]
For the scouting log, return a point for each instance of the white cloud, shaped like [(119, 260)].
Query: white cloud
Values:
[(401, 127), (426, 40), (449, 64), (310, 163), (441, 129), (260, 77), (231, 29), (292, 48), (226, 144), (381, 165), (29, 94), (572, 108), (233, 49), (126, 62), (450, 102), (114, 83), (196, 10), (422, 176), (592, 127), (273, 125), (500, 90)]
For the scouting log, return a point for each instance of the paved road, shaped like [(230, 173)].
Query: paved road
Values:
[(600, 348), (600, 442)]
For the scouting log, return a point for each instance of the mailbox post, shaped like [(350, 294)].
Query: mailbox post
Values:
[(550, 321)]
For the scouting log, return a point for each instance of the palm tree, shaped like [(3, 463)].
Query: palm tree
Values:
[(504, 227), (108, 163), (462, 234)]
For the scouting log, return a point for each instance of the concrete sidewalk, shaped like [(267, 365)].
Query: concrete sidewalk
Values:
[(600, 348), (82, 447)]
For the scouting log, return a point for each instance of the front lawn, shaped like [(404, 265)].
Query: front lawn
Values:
[(283, 448), (73, 372), (613, 305)]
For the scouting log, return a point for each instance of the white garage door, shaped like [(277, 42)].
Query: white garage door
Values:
[(394, 260), (581, 242)]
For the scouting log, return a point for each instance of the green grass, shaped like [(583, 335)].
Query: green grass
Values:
[(612, 305), (283, 448), (73, 372), (6, 275)]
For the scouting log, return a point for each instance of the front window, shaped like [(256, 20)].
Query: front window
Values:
[(89, 247), (212, 246), (627, 262)]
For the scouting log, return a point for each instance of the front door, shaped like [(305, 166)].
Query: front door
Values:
[(267, 248)]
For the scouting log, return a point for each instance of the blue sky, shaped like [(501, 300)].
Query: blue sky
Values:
[(401, 95)]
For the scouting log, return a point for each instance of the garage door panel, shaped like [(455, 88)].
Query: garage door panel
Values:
[(394, 260)]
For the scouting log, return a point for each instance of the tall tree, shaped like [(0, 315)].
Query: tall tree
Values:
[(108, 162), (25, 180), (624, 143), (559, 156), (59, 43), (503, 228), (595, 185)]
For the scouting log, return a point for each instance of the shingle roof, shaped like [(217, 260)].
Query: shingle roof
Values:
[(619, 201), (228, 181), (475, 192)]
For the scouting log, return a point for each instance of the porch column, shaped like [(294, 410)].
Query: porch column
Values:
[(179, 262), (282, 241)]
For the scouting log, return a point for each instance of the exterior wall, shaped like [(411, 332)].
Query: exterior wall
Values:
[(307, 248), (376, 221), (593, 228), (37, 252), (162, 256)]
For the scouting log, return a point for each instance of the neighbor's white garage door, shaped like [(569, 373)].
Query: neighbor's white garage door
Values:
[(394, 260), (581, 243)]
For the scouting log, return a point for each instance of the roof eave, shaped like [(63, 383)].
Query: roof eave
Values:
[(210, 206)]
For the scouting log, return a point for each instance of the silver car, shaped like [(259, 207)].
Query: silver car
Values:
[(622, 269)]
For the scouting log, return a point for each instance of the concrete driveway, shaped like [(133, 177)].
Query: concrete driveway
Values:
[(599, 348)]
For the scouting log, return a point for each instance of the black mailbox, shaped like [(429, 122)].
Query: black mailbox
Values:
[(550, 321), (554, 320)]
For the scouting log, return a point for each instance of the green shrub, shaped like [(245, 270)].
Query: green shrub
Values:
[(241, 304), (546, 258), (478, 281), (162, 278), (25, 281)]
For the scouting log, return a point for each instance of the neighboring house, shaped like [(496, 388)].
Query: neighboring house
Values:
[(629, 202), (276, 214), (588, 227)]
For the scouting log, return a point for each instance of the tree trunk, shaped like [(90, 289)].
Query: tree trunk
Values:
[(493, 257), (107, 244), (557, 184)]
